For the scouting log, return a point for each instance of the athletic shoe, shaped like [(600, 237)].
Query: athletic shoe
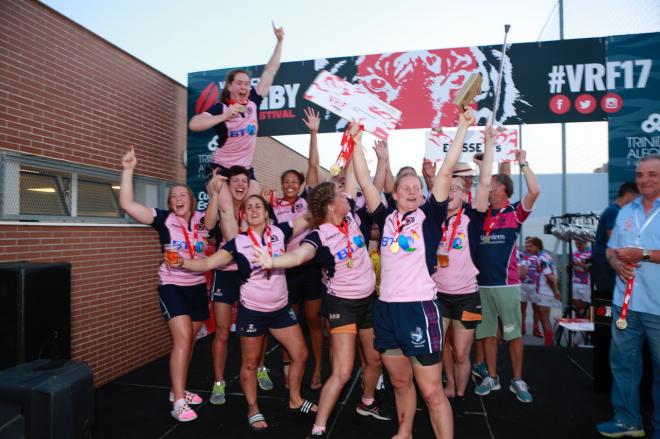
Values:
[(182, 412), (479, 370), (191, 398), (521, 389), (487, 385), (218, 393), (614, 428), (372, 410), (263, 379), (318, 435)]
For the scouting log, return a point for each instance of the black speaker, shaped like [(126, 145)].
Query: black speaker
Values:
[(46, 399), (35, 316)]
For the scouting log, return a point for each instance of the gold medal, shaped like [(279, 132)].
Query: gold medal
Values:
[(335, 170), (394, 247), (621, 324), (349, 264)]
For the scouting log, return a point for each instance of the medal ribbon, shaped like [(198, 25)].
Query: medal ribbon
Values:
[(269, 243), (457, 222), (488, 224), (343, 229), (626, 299), (191, 250), (347, 147)]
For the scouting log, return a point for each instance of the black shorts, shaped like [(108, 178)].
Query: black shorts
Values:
[(208, 172), (176, 300), (251, 323), (349, 315), (226, 286), (304, 283), (465, 308)]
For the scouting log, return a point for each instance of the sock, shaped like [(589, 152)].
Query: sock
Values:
[(220, 382), (548, 338), (179, 402), (317, 429), (367, 401)]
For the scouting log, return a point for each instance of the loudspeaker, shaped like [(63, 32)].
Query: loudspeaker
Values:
[(35, 316), (46, 399)]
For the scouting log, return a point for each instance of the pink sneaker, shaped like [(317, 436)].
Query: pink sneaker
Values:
[(191, 398), (182, 412)]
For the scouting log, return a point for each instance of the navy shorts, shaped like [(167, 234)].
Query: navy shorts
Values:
[(349, 315), (226, 286), (304, 283), (413, 327), (251, 323), (176, 300), (466, 308), (208, 172)]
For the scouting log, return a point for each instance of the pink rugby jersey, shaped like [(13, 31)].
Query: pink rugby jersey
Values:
[(460, 276), (408, 251), (237, 137), (580, 274), (335, 247), (170, 230), (285, 211), (261, 291)]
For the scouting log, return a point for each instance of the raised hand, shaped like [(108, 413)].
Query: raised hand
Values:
[(355, 131), (129, 161), (266, 192), (380, 148), (466, 118), (278, 31), (262, 259), (312, 119), (217, 180), (521, 155), (428, 168)]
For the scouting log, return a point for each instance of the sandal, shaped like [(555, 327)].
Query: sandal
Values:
[(305, 408), (257, 417)]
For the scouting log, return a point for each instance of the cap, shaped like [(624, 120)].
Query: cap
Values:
[(463, 170)]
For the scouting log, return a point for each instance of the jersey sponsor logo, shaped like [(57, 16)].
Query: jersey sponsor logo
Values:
[(406, 242), (417, 337), (357, 243), (250, 329), (489, 239), (250, 130)]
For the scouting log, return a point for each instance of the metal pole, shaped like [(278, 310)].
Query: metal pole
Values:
[(564, 201), (520, 179)]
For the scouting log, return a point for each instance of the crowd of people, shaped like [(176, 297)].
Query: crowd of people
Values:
[(448, 270)]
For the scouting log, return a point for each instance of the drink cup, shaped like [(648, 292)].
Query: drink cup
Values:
[(171, 254), (443, 257)]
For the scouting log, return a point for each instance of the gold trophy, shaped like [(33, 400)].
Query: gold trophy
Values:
[(471, 88)]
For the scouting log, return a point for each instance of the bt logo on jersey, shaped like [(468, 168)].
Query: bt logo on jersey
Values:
[(250, 130)]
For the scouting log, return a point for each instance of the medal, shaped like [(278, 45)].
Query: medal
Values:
[(349, 264), (486, 239), (394, 248), (621, 324)]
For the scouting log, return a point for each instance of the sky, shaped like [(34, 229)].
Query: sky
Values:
[(177, 37)]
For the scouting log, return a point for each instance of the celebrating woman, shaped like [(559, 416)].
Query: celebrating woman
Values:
[(407, 325), (181, 293), (263, 303)]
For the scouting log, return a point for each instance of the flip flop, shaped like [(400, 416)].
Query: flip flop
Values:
[(257, 417), (305, 408)]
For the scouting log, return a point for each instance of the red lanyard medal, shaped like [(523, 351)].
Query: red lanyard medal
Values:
[(269, 244), (184, 229), (343, 228)]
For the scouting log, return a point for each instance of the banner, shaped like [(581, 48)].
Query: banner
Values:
[(437, 145), (634, 131)]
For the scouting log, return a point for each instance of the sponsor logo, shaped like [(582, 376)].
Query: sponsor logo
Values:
[(585, 104), (560, 104), (334, 316), (591, 77), (292, 314), (251, 328), (417, 337), (250, 130), (507, 329), (652, 124), (611, 103)]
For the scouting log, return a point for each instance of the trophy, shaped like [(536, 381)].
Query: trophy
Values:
[(347, 147), (469, 91)]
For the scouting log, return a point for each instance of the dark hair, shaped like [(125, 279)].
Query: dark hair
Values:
[(262, 199), (535, 241), (318, 199), (628, 187), (224, 95), (193, 200), (505, 181), (301, 177), (237, 170)]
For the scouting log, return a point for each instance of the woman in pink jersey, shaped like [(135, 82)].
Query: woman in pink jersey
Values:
[(263, 303), (456, 273), (407, 321), (338, 244), (181, 293), (235, 117)]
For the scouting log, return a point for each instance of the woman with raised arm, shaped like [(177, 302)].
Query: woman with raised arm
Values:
[(407, 320), (263, 303), (338, 243), (456, 273), (235, 118), (181, 293)]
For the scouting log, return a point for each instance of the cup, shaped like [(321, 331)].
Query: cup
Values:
[(443, 257), (171, 254)]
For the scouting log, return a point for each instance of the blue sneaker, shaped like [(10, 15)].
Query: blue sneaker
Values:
[(614, 428), (521, 389), (479, 370), (487, 385), (263, 379)]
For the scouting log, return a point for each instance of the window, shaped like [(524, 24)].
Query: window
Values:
[(38, 189)]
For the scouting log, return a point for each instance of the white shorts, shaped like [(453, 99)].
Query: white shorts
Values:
[(549, 301), (582, 292), (528, 293)]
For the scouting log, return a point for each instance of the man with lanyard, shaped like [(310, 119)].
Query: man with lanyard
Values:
[(634, 253), (499, 283)]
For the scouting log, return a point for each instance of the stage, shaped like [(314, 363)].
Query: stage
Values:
[(136, 405)]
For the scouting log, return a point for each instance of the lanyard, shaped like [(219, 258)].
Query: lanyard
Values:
[(457, 222), (488, 224), (191, 250), (646, 223), (621, 322), (398, 228), (269, 243), (343, 229), (281, 202)]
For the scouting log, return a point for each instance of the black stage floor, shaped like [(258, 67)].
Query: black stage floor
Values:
[(564, 406)]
